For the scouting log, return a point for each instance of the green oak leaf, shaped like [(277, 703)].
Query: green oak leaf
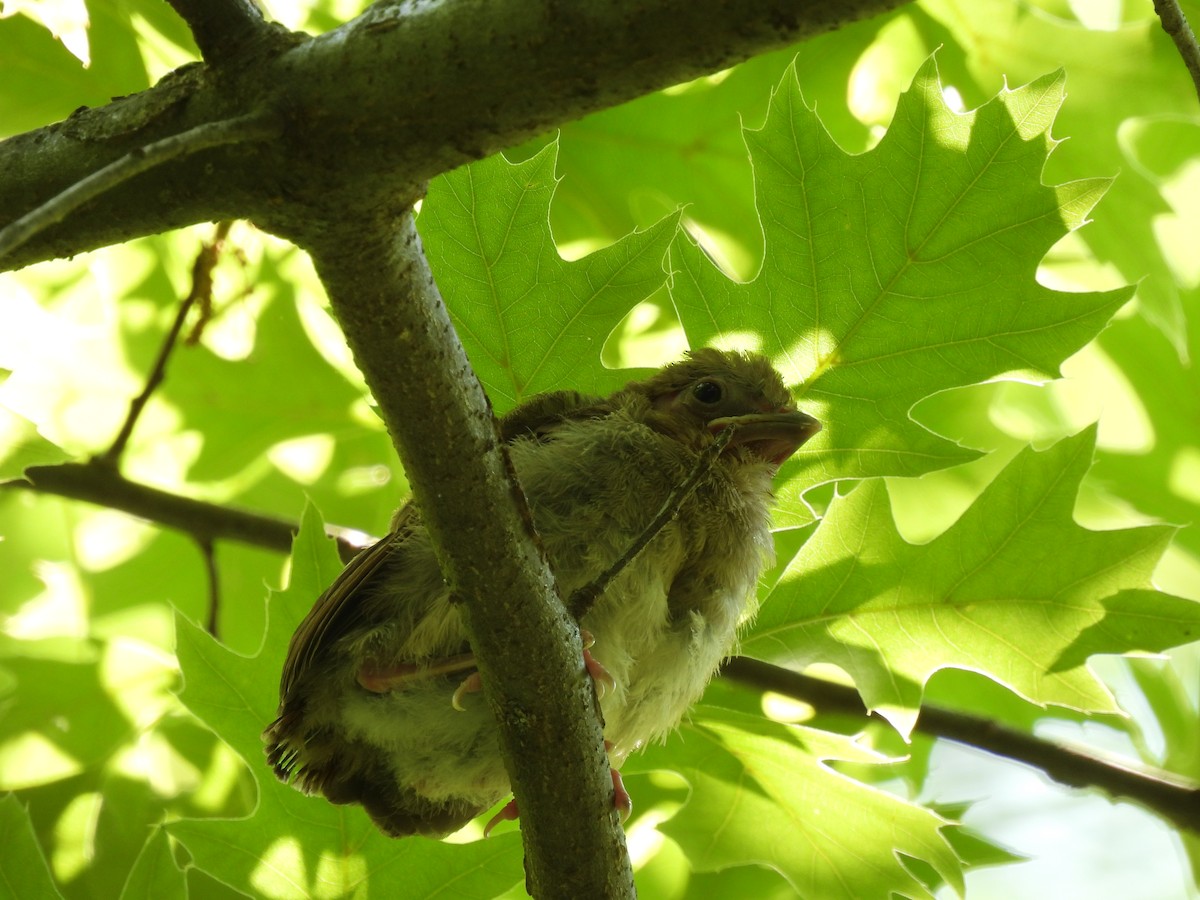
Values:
[(297, 846), (901, 272), (627, 166), (530, 320), (761, 794), (992, 41), (21, 446), (23, 868), (155, 873), (1163, 478), (1143, 620), (1008, 589)]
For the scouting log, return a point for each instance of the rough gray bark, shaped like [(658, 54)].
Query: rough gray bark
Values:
[(377, 107)]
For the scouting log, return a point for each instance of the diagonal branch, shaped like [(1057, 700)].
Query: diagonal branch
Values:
[(384, 296), (582, 600), (1175, 23), (201, 290), (1168, 795)]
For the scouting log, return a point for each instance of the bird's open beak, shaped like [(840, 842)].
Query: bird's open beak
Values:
[(772, 436)]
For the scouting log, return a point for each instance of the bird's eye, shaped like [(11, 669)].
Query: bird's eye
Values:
[(708, 392)]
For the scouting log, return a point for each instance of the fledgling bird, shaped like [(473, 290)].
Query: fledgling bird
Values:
[(374, 703)]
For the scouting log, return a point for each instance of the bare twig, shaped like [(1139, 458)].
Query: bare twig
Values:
[(205, 306), (581, 601), (222, 28), (1168, 795), (1175, 23), (201, 292), (104, 486), (252, 127), (209, 553)]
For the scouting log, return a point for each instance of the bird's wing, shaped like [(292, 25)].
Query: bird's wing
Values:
[(340, 609), (538, 415)]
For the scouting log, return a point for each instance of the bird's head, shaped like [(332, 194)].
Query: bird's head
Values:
[(713, 390)]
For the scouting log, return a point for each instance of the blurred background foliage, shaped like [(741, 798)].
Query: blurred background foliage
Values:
[(265, 411)]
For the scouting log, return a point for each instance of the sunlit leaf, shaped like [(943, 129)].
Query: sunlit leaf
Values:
[(155, 874), (1009, 588), (530, 320), (760, 793), (23, 868), (901, 272)]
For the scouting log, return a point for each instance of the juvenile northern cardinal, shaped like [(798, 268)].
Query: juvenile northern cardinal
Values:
[(375, 703)]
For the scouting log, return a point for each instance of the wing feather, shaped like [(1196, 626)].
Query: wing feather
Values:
[(340, 609)]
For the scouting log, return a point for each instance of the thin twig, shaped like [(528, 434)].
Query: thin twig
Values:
[(105, 486), (1168, 795), (201, 291), (581, 601), (205, 306), (252, 127), (209, 553), (1175, 23)]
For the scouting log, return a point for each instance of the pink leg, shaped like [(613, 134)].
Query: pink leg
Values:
[(381, 679), (621, 799), (473, 683), (387, 678)]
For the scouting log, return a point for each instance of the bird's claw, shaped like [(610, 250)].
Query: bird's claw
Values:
[(621, 799), (470, 685), (622, 803), (508, 813), (601, 676)]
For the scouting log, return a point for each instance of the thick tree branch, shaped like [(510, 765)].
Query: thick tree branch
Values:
[(133, 163), (384, 296), (1167, 795), (380, 105), (223, 29)]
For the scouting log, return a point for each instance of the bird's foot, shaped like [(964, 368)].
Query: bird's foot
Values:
[(508, 813), (622, 802), (601, 676), (381, 679), (621, 799)]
